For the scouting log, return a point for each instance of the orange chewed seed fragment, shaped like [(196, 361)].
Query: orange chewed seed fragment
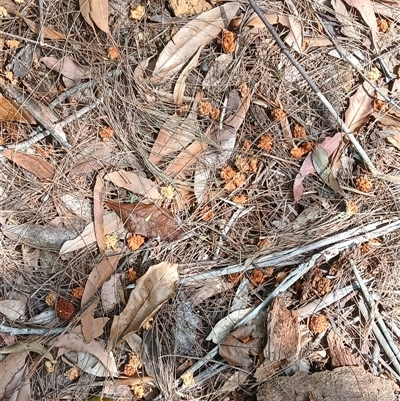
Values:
[(318, 324), (77, 292), (299, 131), (227, 173), (135, 242), (228, 41), (106, 133), (383, 25), (112, 53), (64, 309), (239, 199), (363, 184), (277, 114), (131, 276), (265, 143)]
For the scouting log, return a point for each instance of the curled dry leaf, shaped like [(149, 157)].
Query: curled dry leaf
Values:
[(28, 347), (225, 325), (149, 221), (239, 348), (329, 145), (134, 183), (66, 67), (320, 161), (186, 42), (88, 237), (76, 342), (10, 111), (9, 369), (35, 164), (151, 291)]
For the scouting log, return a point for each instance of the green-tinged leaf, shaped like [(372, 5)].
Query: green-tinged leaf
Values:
[(320, 161), (29, 347)]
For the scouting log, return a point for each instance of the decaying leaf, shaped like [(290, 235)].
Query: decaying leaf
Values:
[(10, 111), (341, 356), (283, 333), (149, 221), (240, 348), (66, 67), (185, 43), (95, 12), (111, 292), (35, 164), (134, 183), (50, 237), (28, 347), (35, 27), (344, 18), (360, 107), (217, 71), (97, 277), (87, 237), (10, 369), (151, 291), (321, 165), (98, 218), (13, 309), (225, 325), (76, 342), (329, 145)]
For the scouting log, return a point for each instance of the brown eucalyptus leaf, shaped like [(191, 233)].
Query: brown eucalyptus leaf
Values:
[(151, 291), (148, 221), (134, 183), (95, 12), (28, 347), (9, 368), (185, 43), (98, 218), (238, 350), (48, 33), (66, 67), (360, 107), (84, 7), (11, 111), (35, 164), (76, 342)]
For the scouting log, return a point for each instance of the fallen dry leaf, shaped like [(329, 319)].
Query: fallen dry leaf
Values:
[(151, 291), (97, 277), (13, 309), (95, 11), (28, 347), (360, 107), (321, 164), (76, 342), (98, 218), (149, 221), (134, 183), (66, 67), (111, 292), (8, 369), (34, 164), (186, 42), (367, 13), (343, 17), (48, 33), (88, 237), (239, 348), (10, 111), (329, 145)]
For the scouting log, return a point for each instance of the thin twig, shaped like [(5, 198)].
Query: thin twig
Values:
[(41, 23), (69, 92), (314, 87)]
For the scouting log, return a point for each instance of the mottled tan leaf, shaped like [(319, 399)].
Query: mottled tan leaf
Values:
[(9, 368), (134, 183), (13, 309), (99, 14), (88, 237), (76, 342), (48, 33), (185, 43), (35, 164), (151, 291), (66, 67)]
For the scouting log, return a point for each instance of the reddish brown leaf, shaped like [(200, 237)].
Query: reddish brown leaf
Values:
[(36, 165), (66, 67), (98, 219), (149, 221)]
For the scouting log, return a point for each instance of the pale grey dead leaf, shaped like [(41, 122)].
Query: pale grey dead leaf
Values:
[(77, 205), (225, 325), (9, 368), (344, 18), (110, 292), (134, 183), (242, 298), (294, 38), (197, 32), (87, 363), (28, 347), (66, 67), (151, 291), (44, 317), (76, 342), (360, 107), (13, 309), (233, 382), (135, 343), (87, 237), (217, 71), (19, 388), (321, 164)]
